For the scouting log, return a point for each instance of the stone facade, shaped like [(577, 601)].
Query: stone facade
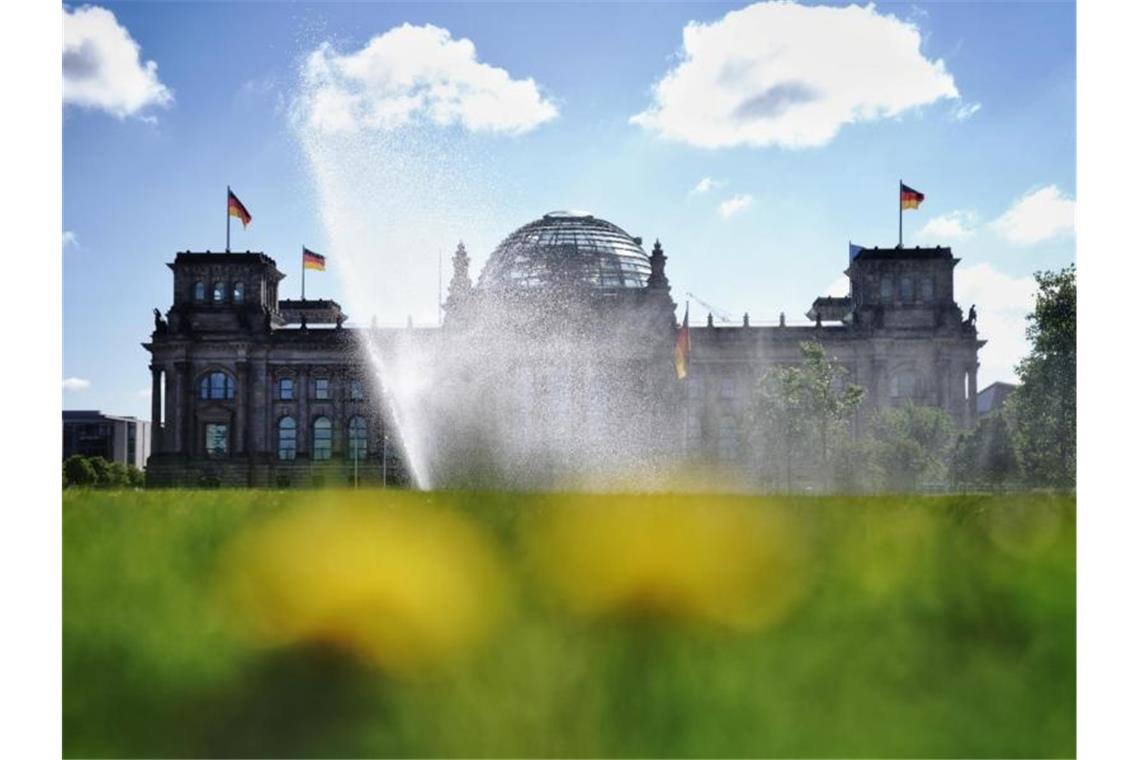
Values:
[(229, 365), (250, 391), (899, 334)]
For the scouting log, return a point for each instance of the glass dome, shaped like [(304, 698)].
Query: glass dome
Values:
[(567, 248)]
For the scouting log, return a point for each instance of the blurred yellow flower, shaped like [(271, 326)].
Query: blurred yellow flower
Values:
[(404, 587), (715, 560)]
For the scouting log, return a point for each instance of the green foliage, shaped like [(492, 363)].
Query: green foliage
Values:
[(102, 471), (929, 627), (77, 471), (910, 445), (985, 456), (1044, 408), (84, 471), (799, 412)]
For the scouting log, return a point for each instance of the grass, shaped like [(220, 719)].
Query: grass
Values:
[(930, 626)]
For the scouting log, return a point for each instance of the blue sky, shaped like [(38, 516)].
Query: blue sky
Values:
[(978, 113)]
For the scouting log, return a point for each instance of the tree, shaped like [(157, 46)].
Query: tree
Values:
[(102, 471), (911, 444), (798, 410), (77, 471), (117, 476), (135, 477), (986, 455), (1044, 408)]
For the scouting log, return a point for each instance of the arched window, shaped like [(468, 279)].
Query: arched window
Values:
[(322, 438), (904, 384), (199, 291), (239, 292), (216, 385), (287, 439), (285, 389), (886, 288), (357, 438), (906, 290), (219, 291)]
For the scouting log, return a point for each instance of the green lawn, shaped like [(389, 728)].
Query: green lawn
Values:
[(568, 625)]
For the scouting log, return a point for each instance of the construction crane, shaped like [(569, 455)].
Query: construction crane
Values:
[(718, 315)]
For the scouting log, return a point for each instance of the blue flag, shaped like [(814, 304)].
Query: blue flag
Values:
[(852, 251)]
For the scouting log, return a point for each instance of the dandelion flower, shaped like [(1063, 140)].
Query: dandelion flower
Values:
[(405, 588), (718, 561)]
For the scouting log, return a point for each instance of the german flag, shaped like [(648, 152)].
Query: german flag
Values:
[(237, 208), (909, 197), (683, 347), (312, 260)]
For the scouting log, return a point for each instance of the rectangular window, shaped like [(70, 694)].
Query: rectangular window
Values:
[(906, 290), (321, 388), (285, 389), (927, 289), (356, 389), (322, 441), (287, 442), (886, 289), (217, 439)]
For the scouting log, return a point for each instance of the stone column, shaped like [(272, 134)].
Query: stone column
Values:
[(878, 383), (155, 409), (302, 391), (972, 396), (942, 378), (337, 379), (185, 400), (241, 432)]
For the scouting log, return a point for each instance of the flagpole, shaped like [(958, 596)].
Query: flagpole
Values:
[(228, 218), (302, 273), (900, 213)]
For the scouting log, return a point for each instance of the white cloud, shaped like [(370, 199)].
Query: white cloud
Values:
[(1036, 216), (705, 185), (101, 66), (734, 205), (839, 287), (955, 225), (412, 72), (965, 111), (74, 384), (70, 239), (1003, 301), (777, 73)]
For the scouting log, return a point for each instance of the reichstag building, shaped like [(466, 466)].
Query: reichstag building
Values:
[(573, 323)]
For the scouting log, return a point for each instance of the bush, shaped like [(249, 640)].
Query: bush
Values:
[(84, 471), (135, 477), (102, 471), (117, 476), (77, 471), (911, 444)]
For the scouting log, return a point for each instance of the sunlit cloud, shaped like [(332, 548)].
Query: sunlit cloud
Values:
[(75, 384), (706, 185), (734, 205), (102, 68), (1003, 302), (965, 111), (955, 225), (781, 74), (412, 73), (1037, 216)]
